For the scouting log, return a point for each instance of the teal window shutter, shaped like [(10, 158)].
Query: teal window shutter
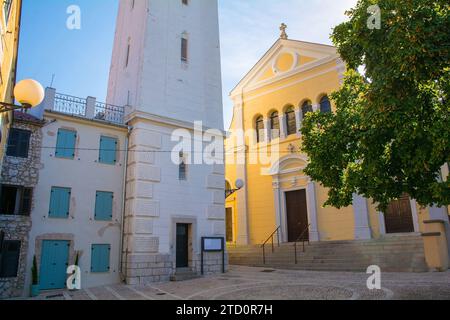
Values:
[(100, 256), (108, 150), (104, 206), (59, 202), (65, 144)]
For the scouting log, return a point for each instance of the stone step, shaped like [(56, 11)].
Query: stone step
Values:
[(399, 253), (417, 239), (418, 262), (342, 267), (334, 244), (405, 246), (184, 275), (311, 253), (365, 262), (401, 240), (337, 248), (333, 258)]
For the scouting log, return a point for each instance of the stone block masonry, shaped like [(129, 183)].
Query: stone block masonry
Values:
[(16, 228), (24, 171), (20, 172), (146, 269)]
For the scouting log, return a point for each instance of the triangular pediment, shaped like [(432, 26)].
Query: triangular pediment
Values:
[(285, 58)]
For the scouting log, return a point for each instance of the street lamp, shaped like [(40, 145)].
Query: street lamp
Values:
[(29, 93), (239, 185)]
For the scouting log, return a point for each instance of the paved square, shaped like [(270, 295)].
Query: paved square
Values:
[(244, 283)]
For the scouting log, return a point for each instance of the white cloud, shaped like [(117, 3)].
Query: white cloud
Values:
[(250, 27)]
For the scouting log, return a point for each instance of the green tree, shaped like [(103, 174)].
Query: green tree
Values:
[(390, 133)]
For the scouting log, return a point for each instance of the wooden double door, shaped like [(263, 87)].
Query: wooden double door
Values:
[(398, 216), (297, 216), (54, 263)]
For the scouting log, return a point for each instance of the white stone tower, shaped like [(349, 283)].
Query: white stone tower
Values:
[(166, 70)]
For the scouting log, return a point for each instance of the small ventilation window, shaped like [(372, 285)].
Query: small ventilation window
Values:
[(182, 168), (184, 48)]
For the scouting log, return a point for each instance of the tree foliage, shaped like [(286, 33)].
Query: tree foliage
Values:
[(390, 133)]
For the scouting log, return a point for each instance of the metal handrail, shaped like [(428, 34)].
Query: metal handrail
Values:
[(109, 112), (68, 104), (270, 238), (301, 238)]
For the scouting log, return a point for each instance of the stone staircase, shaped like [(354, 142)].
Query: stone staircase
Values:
[(402, 253)]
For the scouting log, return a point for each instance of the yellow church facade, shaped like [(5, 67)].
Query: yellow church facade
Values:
[(263, 149)]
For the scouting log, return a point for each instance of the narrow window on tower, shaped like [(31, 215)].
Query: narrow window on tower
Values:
[(182, 169), (132, 4), (127, 58), (185, 2), (184, 47)]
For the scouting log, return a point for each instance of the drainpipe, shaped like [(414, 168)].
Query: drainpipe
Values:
[(124, 199)]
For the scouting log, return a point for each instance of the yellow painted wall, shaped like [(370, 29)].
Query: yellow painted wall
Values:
[(277, 96), (334, 224), (8, 55)]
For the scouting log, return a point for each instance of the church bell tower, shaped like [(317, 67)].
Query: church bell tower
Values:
[(166, 69)]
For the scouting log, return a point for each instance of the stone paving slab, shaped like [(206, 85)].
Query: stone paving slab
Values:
[(245, 283)]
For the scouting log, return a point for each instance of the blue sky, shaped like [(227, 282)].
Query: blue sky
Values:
[(80, 59)]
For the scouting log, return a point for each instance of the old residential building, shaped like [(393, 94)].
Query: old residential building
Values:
[(19, 178), (77, 216)]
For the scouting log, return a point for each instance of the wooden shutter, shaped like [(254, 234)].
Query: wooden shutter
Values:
[(104, 206), (108, 150), (13, 142), (65, 144), (24, 143), (18, 143), (275, 125), (60, 202), (100, 258), (10, 259), (291, 122), (259, 129), (25, 201)]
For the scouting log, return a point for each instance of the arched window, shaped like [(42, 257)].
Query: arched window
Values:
[(307, 107), (275, 125), (259, 127), (325, 105), (291, 123)]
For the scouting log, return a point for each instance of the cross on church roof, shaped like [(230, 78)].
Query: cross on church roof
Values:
[(283, 28)]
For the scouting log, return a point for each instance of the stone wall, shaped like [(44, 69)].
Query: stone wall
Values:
[(15, 228), (20, 172), (146, 269)]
